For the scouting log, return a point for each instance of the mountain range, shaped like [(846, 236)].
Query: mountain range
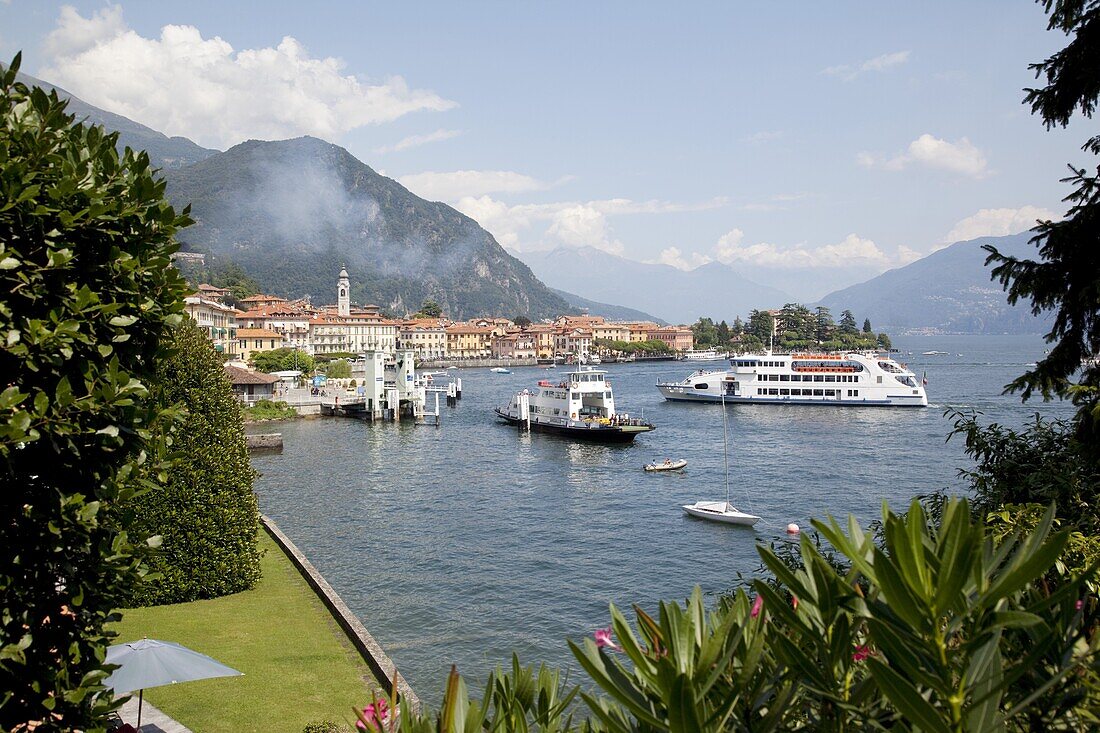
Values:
[(292, 212), (949, 291), (680, 296)]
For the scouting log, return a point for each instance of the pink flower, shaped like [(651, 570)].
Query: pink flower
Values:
[(757, 605), (862, 652), (794, 602), (1079, 605), (374, 714), (603, 639)]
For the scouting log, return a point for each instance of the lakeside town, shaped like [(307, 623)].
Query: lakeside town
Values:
[(266, 323)]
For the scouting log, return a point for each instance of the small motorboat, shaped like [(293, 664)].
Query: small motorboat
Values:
[(500, 370), (720, 511), (666, 465)]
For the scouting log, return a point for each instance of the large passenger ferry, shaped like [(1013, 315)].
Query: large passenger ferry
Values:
[(855, 378), (581, 406)]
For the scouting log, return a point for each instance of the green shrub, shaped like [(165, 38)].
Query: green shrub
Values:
[(86, 292), (268, 410), (206, 512), (327, 726)]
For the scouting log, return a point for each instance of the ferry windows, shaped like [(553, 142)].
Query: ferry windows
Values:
[(830, 393), (784, 392), (701, 385), (819, 378), (607, 395), (784, 378), (879, 379), (818, 392), (773, 391), (830, 378)]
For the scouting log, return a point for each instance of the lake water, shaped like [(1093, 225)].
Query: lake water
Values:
[(460, 544)]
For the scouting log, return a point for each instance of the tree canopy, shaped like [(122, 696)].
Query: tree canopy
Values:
[(1065, 278), (283, 360)]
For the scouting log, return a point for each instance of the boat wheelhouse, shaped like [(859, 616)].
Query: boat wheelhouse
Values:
[(854, 379), (582, 405)]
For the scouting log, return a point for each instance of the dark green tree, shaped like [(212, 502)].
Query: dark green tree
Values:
[(522, 321), (738, 326), (867, 325), (430, 309), (823, 324), (761, 325), (723, 334), (206, 512), (883, 341), (848, 322), (1065, 279), (87, 292), (705, 333)]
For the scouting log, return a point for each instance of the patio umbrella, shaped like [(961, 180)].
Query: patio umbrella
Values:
[(152, 663)]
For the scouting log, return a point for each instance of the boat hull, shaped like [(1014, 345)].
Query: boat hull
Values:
[(595, 434), (677, 393), (674, 466), (724, 517)]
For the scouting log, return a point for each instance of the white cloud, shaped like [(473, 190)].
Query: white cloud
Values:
[(674, 257), (997, 223), (527, 227), (848, 72), (454, 185), (184, 84), (415, 141), (852, 251), (960, 157)]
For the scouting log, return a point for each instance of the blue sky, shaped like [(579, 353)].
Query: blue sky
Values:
[(806, 144)]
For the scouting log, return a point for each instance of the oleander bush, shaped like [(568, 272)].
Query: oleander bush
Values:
[(941, 627), (87, 293), (206, 512)]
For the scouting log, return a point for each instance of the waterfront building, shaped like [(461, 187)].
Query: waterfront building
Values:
[(256, 340), (291, 321), (677, 338), (573, 341), (217, 320), (250, 386), (543, 335), (514, 345), (641, 331), (468, 341), (426, 337), (356, 333), (610, 332)]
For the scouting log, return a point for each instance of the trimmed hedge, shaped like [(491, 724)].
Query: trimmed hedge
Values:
[(87, 292), (206, 514)]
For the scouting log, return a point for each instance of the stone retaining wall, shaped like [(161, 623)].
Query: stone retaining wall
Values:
[(380, 664), (264, 441)]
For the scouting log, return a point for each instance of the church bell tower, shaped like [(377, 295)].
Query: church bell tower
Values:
[(343, 294)]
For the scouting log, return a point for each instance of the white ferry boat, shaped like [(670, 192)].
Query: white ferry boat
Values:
[(581, 406), (855, 378), (707, 355)]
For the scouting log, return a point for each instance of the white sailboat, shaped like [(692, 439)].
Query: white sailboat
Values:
[(722, 511)]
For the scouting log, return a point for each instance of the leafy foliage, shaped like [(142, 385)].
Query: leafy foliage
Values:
[(338, 369), (795, 327), (283, 359), (87, 292), (942, 628), (429, 309), (268, 410), (1040, 464), (206, 512), (1066, 278)]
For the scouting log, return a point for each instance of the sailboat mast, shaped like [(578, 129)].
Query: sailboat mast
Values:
[(725, 445)]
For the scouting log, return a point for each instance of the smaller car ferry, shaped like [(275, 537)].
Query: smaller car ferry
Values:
[(580, 406)]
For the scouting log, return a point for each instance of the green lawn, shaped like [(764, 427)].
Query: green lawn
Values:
[(298, 665)]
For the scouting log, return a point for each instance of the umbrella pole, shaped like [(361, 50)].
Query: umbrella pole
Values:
[(141, 699)]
